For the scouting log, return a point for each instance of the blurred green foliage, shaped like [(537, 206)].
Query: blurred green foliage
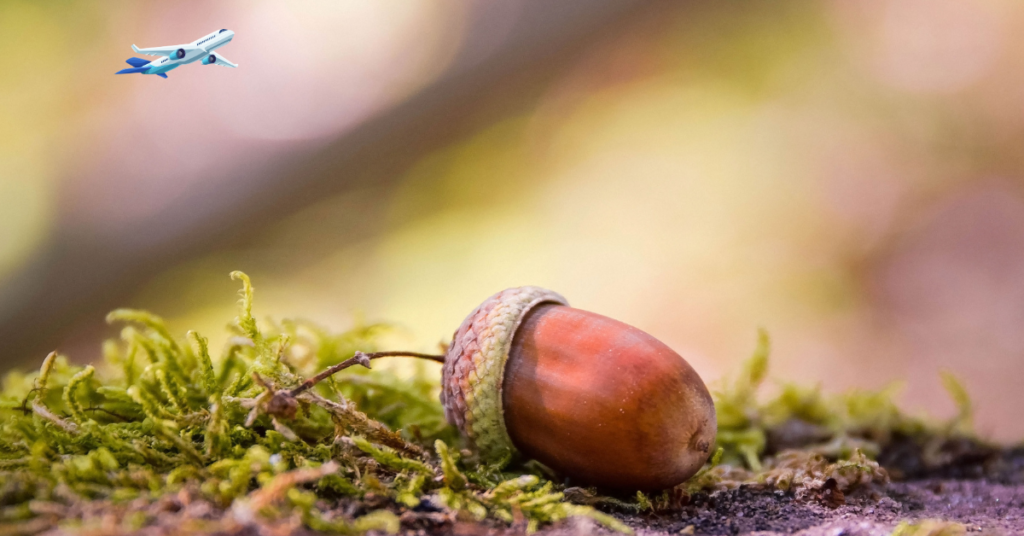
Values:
[(836, 426)]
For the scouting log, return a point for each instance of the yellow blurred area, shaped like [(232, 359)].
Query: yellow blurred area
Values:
[(847, 176), (31, 105)]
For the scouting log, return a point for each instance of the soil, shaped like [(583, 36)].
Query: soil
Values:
[(956, 480), (980, 487), (980, 505)]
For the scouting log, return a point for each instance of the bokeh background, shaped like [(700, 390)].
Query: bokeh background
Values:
[(847, 175)]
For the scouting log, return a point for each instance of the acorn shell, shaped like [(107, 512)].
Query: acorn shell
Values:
[(594, 399), (605, 403)]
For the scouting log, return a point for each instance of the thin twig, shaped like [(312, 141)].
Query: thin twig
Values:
[(121, 418), (347, 415), (45, 413), (255, 411), (244, 402), (359, 359)]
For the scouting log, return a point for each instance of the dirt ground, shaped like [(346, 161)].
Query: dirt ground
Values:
[(982, 506), (979, 487)]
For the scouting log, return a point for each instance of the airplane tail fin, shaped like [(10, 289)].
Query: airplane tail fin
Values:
[(161, 75), (132, 70), (137, 62)]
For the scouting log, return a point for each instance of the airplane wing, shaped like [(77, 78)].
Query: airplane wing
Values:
[(164, 51), (221, 60)]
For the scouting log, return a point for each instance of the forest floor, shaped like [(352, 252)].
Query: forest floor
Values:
[(979, 505), (977, 491), (163, 439), (932, 506), (973, 493)]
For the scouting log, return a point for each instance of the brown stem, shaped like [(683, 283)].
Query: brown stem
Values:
[(359, 359), (121, 418)]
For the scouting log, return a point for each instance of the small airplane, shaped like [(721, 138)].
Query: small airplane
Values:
[(178, 55)]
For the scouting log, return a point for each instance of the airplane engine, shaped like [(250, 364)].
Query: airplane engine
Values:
[(210, 60), (180, 53)]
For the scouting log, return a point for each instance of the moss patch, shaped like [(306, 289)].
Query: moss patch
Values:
[(163, 433)]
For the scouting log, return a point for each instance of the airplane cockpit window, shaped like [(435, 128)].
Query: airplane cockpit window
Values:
[(222, 31)]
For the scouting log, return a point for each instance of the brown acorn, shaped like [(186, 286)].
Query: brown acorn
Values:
[(592, 398)]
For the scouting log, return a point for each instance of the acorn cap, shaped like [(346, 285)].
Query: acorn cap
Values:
[(474, 367)]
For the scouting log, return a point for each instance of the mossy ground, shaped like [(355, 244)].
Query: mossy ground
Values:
[(164, 438)]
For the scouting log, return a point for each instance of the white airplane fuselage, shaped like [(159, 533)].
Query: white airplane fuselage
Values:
[(205, 44), (172, 57)]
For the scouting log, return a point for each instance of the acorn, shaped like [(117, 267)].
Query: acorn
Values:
[(594, 399)]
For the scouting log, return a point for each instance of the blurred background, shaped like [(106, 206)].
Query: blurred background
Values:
[(847, 175)]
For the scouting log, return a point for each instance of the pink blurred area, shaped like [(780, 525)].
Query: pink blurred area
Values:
[(846, 175), (309, 75)]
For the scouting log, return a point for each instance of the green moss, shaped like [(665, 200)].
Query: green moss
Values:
[(163, 420), (929, 527), (842, 426)]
